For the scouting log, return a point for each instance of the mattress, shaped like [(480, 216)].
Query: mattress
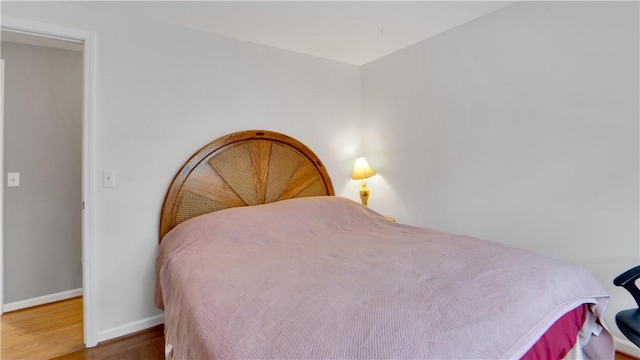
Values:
[(324, 277)]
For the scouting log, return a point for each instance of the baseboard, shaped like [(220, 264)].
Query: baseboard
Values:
[(131, 327), (626, 346), (22, 304)]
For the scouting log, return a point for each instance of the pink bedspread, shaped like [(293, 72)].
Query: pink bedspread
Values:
[(326, 278)]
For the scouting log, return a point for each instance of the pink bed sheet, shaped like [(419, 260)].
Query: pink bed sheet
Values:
[(560, 338), (325, 277)]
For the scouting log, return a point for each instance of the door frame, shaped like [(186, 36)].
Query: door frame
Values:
[(88, 72), (1, 186)]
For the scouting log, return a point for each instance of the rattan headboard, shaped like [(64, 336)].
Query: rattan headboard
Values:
[(240, 169)]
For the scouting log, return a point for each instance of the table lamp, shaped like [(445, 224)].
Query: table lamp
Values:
[(361, 171)]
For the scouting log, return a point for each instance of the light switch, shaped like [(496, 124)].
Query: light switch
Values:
[(13, 179), (108, 178)]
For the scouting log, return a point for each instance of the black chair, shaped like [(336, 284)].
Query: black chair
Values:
[(629, 320)]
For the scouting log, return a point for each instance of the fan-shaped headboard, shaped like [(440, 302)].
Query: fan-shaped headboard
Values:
[(240, 169)]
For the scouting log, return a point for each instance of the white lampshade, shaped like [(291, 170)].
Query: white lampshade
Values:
[(362, 170)]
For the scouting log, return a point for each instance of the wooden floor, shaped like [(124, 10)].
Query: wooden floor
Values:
[(42, 332), (147, 344), (54, 331), (622, 356)]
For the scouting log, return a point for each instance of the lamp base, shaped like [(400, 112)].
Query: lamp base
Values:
[(364, 193)]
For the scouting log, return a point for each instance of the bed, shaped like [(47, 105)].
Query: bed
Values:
[(259, 259)]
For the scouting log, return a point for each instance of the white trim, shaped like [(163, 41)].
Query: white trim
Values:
[(131, 327), (88, 143), (626, 346), (46, 30), (22, 304), (18, 37), (52, 37), (1, 185)]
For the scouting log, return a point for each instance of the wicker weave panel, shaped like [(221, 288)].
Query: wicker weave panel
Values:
[(315, 189), (205, 181), (235, 166), (283, 164), (191, 205), (304, 176)]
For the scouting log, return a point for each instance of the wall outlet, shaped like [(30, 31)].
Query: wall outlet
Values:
[(13, 179)]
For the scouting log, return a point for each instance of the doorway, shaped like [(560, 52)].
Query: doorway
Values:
[(43, 163), (87, 43)]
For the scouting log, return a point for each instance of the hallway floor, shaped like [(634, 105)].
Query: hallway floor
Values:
[(42, 332)]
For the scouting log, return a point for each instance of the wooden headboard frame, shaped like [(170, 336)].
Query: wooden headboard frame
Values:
[(240, 169)]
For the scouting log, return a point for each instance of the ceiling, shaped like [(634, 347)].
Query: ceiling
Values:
[(354, 32)]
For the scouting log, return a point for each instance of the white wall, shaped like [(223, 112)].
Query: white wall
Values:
[(519, 127), (162, 92)]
